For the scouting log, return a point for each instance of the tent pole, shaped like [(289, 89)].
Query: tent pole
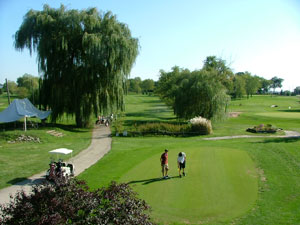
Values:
[(25, 128)]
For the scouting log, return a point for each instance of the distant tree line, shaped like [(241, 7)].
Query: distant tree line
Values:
[(27, 86), (137, 85)]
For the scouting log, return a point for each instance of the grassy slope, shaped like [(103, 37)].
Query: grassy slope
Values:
[(21, 160), (136, 160)]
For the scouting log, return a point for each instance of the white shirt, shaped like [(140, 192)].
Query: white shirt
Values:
[(181, 159)]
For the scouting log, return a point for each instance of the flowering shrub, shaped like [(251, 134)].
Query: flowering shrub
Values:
[(201, 125), (69, 201)]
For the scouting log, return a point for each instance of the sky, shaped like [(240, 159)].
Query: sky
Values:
[(258, 36)]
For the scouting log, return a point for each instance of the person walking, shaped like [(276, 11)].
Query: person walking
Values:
[(181, 163), (164, 164)]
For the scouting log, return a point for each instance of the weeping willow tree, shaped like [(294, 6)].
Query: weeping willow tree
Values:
[(192, 94), (84, 59), (201, 95)]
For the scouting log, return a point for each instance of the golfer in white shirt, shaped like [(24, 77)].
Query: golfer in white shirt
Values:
[(181, 163)]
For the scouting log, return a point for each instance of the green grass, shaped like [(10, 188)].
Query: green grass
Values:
[(23, 159), (208, 171), (237, 181)]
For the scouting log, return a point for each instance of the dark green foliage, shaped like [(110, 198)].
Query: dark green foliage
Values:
[(171, 129), (191, 94), (84, 57), (71, 202), (238, 86), (201, 95), (276, 83), (220, 70), (297, 90)]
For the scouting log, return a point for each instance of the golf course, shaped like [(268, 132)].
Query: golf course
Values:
[(233, 181)]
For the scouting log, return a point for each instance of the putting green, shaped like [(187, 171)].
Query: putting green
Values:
[(287, 115), (220, 184)]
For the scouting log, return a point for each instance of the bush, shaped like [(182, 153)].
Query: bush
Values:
[(201, 125), (162, 128), (71, 202), (262, 129)]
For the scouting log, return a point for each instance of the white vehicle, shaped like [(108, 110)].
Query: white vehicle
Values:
[(58, 168)]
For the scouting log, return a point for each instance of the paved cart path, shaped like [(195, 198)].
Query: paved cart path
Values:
[(100, 145)]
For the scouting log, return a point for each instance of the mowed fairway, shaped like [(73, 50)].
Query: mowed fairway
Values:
[(221, 183), (286, 115), (235, 181)]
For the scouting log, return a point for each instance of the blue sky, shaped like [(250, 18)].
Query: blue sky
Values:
[(259, 36)]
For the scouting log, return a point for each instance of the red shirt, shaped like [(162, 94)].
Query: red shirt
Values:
[(164, 158)]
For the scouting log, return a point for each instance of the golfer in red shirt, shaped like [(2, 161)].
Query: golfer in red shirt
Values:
[(164, 164)]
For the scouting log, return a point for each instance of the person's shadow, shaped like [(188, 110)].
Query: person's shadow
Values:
[(152, 180)]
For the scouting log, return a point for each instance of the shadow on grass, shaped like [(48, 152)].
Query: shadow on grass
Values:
[(152, 180), (17, 180), (69, 128), (18, 125), (281, 140), (20, 181), (289, 110)]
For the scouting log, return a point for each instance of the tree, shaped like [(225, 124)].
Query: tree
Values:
[(22, 92), (297, 91), (201, 95), (84, 58), (134, 85), (169, 82), (191, 94), (223, 73), (147, 86), (71, 202), (28, 85), (251, 84), (276, 83), (264, 86), (239, 86), (12, 87), (28, 81)]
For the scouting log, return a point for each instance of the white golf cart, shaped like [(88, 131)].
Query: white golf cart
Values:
[(58, 168)]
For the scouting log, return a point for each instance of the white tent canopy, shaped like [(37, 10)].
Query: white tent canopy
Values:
[(21, 108)]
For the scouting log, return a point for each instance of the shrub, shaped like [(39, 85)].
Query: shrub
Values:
[(162, 128), (201, 125), (69, 201), (262, 129)]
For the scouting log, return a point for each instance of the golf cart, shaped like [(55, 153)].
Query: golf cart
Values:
[(58, 168)]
